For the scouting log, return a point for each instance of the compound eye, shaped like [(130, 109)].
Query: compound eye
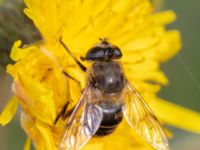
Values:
[(95, 53), (117, 53)]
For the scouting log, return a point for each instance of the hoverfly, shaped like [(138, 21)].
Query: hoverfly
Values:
[(108, 97)]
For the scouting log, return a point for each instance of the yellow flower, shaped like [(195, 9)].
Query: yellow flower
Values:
[(41, 88)]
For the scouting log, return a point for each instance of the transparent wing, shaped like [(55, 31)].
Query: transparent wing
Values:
[(83, 123), (141, 118)]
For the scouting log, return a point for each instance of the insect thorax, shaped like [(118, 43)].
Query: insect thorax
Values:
[(107, 76)]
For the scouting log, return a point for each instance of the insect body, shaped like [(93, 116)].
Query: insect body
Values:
[(107, 97), (108, 83)]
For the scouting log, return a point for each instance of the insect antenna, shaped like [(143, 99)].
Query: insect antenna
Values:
[(70, 53), (104, 40)]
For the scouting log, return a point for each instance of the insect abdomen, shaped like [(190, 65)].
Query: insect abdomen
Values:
[(112, 116)]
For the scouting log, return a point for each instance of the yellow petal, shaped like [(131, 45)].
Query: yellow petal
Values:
[(170, 45), (153, 76), (165, 17), (176, 115), (46, 134), (9, 111), (37, 97), (146, 87), (18, 53), (27, 144), (28, 124)]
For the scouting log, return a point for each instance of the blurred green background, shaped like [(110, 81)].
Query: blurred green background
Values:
[(182, 89)]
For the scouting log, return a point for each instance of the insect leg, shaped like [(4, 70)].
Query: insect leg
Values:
[(65, 73), (62, 112), (83, 58), (70, 53)]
